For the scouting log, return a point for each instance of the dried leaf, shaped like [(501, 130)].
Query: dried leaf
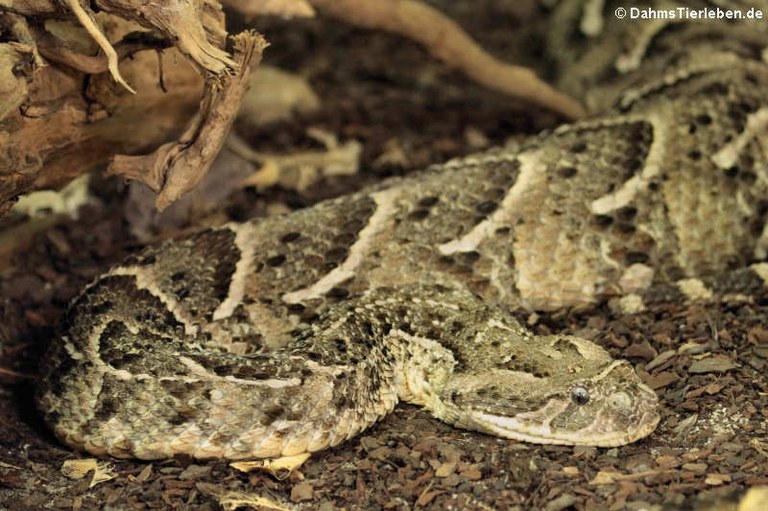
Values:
[(276, 95), (79, 468), (605, 477), (66, 201), (144, 474), (427, 496), (611, 477), (235, 500), (302, 492), (713, 364), (684, 425), (717, 479), (661, 359), (446, 469), (232, 500), (280, 468), (300, 170)]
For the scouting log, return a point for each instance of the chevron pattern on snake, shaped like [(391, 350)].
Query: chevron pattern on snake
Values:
[(294, 333)]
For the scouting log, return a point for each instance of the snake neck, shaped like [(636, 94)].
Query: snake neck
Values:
[(608, 60)]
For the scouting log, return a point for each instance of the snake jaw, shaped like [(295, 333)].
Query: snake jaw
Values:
[(620, 408), (517, 430), (611, 427)]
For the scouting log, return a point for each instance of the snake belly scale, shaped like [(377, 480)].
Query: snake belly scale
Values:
[(294, 333)]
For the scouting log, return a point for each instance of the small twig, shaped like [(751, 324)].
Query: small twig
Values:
[(90, 26), (15, 375), (52, 48)]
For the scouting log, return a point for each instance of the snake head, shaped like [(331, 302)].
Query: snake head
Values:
[(573, 393)]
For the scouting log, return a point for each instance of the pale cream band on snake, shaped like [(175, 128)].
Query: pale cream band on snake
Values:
[(296, 332)]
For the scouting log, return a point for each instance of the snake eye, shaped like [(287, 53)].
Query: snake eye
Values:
[(580, 395)]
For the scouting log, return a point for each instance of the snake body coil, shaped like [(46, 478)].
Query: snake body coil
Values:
[(294, 333)]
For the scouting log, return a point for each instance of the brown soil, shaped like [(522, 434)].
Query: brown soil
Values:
[(708, 363)]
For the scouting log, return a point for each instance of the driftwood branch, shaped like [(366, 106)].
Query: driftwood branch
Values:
[(62, 115), (57, 123), (177, 167)]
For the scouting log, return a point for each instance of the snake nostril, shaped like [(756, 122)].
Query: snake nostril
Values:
[(620, 401)]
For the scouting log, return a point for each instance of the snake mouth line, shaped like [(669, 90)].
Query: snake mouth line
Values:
[(543, 434)]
